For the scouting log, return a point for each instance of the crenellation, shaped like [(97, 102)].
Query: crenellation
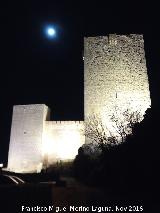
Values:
[(64, 122)]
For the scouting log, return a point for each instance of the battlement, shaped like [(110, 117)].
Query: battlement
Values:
[(114, 37), (65, 122), (77, 123)]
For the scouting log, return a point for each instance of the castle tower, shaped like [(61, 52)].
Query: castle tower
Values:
[(115, 75), (25, 150)]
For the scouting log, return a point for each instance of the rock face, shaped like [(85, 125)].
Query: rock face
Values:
[(115, 75)]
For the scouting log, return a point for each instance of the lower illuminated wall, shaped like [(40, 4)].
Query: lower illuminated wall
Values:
[(61, 140), (36, 143)]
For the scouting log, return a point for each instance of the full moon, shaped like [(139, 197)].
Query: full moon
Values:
[(50, 32)]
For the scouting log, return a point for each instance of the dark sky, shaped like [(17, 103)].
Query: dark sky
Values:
[(34, 69)]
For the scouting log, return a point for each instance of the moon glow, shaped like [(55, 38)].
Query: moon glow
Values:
[(50, 32)]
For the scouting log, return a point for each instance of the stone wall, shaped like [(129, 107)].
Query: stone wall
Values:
[(36, 142), (61, 140), (115, 75)]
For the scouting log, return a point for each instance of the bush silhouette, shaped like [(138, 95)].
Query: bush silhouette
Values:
[(131, 166)]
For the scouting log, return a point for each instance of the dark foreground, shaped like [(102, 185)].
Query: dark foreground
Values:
[(74, 197)]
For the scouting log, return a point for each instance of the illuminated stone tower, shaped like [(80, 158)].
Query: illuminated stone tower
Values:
[(25, 150), (115, 75)]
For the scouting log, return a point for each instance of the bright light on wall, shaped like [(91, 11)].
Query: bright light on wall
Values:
[(69, 144), (63, 143)]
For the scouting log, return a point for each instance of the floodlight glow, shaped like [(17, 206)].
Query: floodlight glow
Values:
[(62, 144), (65, 147), (68, 148)]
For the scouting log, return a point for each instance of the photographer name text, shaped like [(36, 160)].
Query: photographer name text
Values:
[(53, 208)]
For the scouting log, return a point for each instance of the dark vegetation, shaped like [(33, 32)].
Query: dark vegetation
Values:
[(131, 167)]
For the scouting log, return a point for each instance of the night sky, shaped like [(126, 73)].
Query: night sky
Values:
[(34, 69)]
